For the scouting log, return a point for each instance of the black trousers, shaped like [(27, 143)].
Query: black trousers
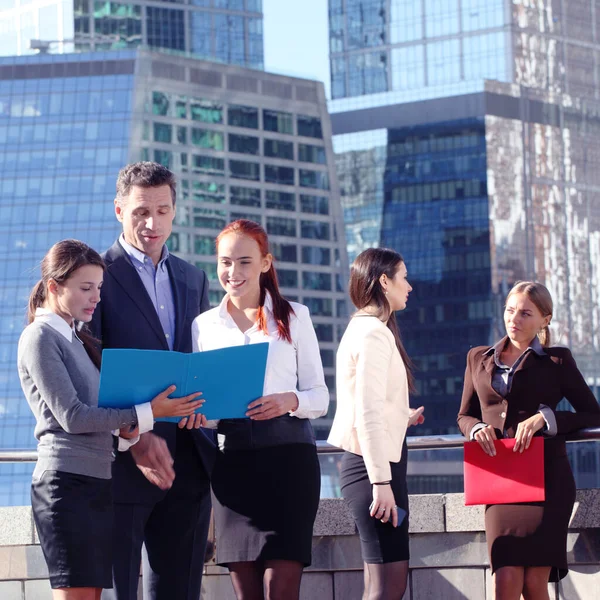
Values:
[(169, 535)]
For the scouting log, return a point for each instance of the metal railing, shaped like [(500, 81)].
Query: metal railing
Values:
[(424, 442), (445, 442)]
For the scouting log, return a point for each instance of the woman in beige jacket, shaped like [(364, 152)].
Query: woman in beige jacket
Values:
[(373, 383)]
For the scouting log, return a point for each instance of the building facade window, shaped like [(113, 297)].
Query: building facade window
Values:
[(278, 149), (309, 126), (206, 111), (243, 196), (242, 116), (241, 169), (281, 175), (281, 122), (314, 255), (208, 165), (207, 138), (319, 307), (316, 281), (285, 252), (324, 332), (318, 205), (315, 230), (314, 179), (244, 144), (163, 133), (287, 278), (208, 191), (280, 200), (281, 226), (312, 154)]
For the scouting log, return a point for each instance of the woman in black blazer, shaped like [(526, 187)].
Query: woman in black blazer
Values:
[(512, 390)]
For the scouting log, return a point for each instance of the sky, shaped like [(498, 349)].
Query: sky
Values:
[(296, 39)]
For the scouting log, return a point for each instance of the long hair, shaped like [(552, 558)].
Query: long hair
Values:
[(541, 298), (365, 290), (59, 264), (268, 281)]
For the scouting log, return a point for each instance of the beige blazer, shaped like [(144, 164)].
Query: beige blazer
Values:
[(372, 411)]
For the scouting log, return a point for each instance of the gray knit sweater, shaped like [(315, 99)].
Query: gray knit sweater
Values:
[(61, 384)]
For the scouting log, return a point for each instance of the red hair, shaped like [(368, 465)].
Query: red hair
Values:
[(268, 281)]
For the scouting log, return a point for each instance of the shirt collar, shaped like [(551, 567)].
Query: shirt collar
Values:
[(57, 323), (496, 349), (224, 313), (138, 256)]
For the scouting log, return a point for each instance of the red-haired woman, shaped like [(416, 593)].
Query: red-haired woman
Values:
[(266, 480)]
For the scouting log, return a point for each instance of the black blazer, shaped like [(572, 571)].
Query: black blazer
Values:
[(126, 318), (537, 380)]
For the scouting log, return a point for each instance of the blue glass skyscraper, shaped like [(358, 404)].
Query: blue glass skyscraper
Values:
[(465, 135)]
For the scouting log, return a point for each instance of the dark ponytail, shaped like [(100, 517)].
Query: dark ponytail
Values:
[(36, 299), (59, 264), (268, 281)]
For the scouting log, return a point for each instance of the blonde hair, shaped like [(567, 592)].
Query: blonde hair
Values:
[(541, 298)]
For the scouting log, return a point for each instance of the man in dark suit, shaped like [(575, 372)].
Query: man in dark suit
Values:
[(149, 300)]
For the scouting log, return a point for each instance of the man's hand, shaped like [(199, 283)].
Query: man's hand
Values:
[(153, 459)]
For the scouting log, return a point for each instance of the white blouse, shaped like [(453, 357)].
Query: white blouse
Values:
[(294, 367)]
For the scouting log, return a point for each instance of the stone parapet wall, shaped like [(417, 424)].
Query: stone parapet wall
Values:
[(448, 554)]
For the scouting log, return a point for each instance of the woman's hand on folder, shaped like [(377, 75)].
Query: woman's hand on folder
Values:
[(192, 422), (525, 431), (486, 436), (163, 406), (273, 405)]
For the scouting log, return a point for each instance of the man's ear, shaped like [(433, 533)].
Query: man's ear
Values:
[(118, 210)]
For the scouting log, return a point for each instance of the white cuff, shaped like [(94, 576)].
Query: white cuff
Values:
[(550, 418), (125, 444), (475, 429), (145, 417), (303, 405), (145, 423)]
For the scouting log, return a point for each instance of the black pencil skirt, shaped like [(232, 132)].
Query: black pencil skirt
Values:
[(73, 515), (380, 542), (265, 502)]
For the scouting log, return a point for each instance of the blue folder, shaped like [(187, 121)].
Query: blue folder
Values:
[(229, 378)]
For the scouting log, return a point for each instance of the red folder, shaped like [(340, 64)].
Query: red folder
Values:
[(506, 478)]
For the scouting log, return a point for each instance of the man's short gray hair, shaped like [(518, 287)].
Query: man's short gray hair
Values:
[(144, 174)]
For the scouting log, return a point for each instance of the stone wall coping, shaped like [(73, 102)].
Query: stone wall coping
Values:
[(429, 513)]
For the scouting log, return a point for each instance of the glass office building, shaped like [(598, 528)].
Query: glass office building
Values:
[(465, 135), (228, 31), (243, 144)]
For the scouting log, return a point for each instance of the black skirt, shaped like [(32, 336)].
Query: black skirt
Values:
[(73, 515), (265, 502), (379, 542)]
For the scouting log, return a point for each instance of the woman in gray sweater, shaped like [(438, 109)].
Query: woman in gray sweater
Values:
[(71, 495)]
